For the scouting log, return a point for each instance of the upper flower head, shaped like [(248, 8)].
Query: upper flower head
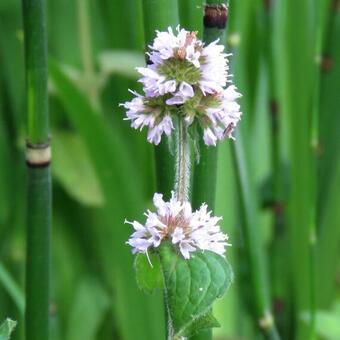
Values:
[(176, 222), (185, 73)]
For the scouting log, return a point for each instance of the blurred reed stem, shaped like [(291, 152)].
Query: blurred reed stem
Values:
[(86, 51), (190, 13), (159, 15), (38, 173), (255, 257), (205, 172), (328, 159), (297, 63)]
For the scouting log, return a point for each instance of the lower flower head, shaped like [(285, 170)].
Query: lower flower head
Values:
[(175, 222)]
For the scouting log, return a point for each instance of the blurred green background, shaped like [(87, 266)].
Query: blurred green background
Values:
[(286, 63)]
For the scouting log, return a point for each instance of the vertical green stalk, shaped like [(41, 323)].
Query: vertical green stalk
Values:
[(190, 13), (38, 172), (205, 172), (204, 186), (159, 15), (297, 64), (86, 50), (182, 162), (328, 162), (253, 243)]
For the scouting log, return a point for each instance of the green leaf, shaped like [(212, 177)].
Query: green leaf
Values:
[(6, 329), (203, 322), (149, 274), (12, 288), (192, 286), (120, 62), (72, 167), (89, 309), (327, 323)]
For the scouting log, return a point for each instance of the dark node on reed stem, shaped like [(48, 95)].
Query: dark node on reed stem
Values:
[(278, 306), (317, 148), (274, 112), (38, 155), (52, 309), (336, 5), (215, 16), (266, 322), (267, 5), (326, 63)]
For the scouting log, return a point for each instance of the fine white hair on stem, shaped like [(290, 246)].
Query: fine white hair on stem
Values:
[(182, 179)]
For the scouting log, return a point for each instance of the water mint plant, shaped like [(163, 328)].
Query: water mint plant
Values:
[(184, 87), (276, 185)]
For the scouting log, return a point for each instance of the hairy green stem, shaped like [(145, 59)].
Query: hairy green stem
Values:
[(182, 183), (38, 173), (158, 15)]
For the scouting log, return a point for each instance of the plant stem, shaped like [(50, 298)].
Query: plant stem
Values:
[(298, 67), (253, 243), (205, 173), (158, 15), (191, 15), (182, 162), (328, 161), (204, 185), (38, 172), (86, 50)]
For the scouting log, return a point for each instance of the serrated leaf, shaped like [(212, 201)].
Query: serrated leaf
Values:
[(192, 285), (149, 277), (6, 329), (72, 167), (203, 322)]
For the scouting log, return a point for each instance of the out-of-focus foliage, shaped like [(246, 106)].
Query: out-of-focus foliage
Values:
[(286, 64)]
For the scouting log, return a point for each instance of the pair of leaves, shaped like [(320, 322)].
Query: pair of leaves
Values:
[(6, 328), (191, 286)]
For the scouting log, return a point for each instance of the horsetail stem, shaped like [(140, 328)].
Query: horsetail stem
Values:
[(205, 173), (38, 158), (204, 184), (158, 15)]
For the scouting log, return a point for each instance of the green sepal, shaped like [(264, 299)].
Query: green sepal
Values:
[(6, 329), (192, 286), (148, 272)]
